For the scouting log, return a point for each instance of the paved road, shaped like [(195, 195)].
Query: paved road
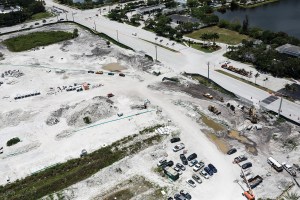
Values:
[(186, 59)]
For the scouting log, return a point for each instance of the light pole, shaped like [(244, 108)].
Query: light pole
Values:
[(279, 110), (66, 16), (95, 25), (155, 53), (73, 16), (117, 35), (208, 70), (57, 17)]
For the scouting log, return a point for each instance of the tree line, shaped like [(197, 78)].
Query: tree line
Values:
[(28, 8)]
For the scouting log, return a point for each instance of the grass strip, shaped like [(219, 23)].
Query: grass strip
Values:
[(245, 81), (36, 39), (161, 46), (209, 83), (63, 175)]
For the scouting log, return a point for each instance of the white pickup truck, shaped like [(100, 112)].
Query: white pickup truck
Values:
[(289, 169)]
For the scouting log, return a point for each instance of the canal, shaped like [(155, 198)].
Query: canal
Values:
[(283, 15)]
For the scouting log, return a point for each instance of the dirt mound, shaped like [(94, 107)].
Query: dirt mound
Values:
[(14, 117), (92, 110)]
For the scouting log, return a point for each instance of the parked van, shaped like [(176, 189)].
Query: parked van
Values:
[(275, 164)]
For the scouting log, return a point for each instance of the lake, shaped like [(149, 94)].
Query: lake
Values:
[(283, 15)]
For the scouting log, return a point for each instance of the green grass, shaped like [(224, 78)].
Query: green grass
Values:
[(245, 81), (36, 39), (161, 46), (209, 83), (205, 50), (39, 16), (258, 4), (66, 174), (226, 36)]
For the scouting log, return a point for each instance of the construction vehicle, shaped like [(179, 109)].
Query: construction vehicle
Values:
[(289, 169), (252, 115), (213, 109), (207, 95)]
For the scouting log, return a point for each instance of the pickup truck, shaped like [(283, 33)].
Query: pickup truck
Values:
[(240, 158), (289, 169), (178, 147)]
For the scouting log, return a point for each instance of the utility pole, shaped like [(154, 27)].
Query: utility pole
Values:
[(66, 16), (279, 110), (117, 35), (155, 53), (208, 71)]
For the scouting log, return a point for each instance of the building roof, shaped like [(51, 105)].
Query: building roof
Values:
[(289, 49), (183, 18), (150, 8)]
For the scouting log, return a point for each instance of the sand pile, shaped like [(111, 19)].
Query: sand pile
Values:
[(94, 109)]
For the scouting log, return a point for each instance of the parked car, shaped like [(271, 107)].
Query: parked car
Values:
[(212, 168), (209, 171), (192, 157), (198, 166), (36, 23), (183, 159), (240, 158), (44, 21), (110, 73), (91, 72), (193, 162), (162, 162), (197, 178), (121, 74), (170, 198), (247, 165), (180, 166), (83, 153), (176, 139), (61, 19), (231, 151), (177, 170), (179, 197), (178, 147), (110, 95), (204, 174), (191, 183), (185, 194), (170, 163)]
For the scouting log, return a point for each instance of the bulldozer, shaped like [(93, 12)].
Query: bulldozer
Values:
[(213, 109)]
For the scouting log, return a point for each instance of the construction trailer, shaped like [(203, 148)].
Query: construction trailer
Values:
[(171, 173)]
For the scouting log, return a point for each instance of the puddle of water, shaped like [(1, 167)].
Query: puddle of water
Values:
[(212, 124), (250, 147), (221, 143), (113, 67)]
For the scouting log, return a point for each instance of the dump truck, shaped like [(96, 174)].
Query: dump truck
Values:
[(255, 181), (213, 109)]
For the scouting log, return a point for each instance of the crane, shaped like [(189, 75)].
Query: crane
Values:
[(248, 194)]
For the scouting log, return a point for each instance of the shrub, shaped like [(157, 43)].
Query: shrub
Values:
[(13, 141), (87, 120)]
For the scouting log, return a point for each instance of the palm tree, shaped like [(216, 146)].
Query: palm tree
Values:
[(291, 196), (204, 37), (215, 36)]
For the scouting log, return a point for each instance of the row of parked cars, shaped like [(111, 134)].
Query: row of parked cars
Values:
[(101, 72), (240, 159), (183, 195), (27, 95), (197, 166)]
